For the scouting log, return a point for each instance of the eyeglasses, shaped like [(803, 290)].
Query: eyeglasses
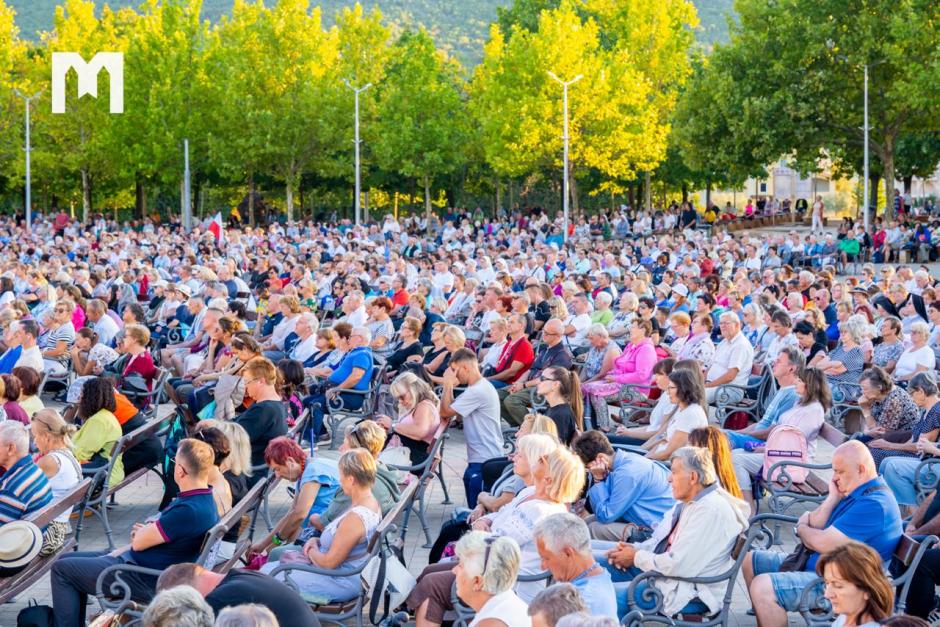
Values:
[(547, 379), (250, 381)]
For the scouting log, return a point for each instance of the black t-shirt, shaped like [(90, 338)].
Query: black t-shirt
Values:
[(563, 418), (543, 311), (263, 421), (238, 484), (400, 356), (248, 586), (816, 348)]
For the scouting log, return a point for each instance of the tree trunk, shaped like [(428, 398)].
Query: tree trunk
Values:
[(708, 194), (908, 184), (365, 206), (510, 195), (887, 162), (631, 197), (140, 192), (290, 200), (649, 193), (685, 192), (499, 194), (86, 195), (427, 202), (873, 182), (251, 199)]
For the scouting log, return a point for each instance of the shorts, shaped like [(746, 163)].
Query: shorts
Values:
[(788, 587)]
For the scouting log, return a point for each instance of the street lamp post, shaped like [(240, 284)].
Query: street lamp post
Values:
[(29, 205), (565, 86), (357, 91)]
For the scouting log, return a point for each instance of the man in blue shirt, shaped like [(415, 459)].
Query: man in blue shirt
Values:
[(785, 368), (630, 495), (564, 544), (173, 537), (859, 507), (353, 373)]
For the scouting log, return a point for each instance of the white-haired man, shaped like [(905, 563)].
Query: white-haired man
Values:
[(734, 357), (564, 544), (24, 488)]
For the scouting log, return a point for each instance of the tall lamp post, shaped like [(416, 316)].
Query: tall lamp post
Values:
[(357, 91), (565, 86), (29, 202)]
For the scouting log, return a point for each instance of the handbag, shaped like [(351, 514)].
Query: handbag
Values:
[(35, 615), (796, 561)]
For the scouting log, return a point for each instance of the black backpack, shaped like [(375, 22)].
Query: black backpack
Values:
[(35, 615)]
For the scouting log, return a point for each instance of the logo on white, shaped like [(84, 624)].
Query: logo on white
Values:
[(87, 73)]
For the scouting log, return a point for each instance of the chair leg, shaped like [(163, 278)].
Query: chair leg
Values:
[(440, 475), (266, 513), (422, 509)]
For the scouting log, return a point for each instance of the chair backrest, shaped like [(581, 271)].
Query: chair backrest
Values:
[(832, 435), (404, 501), (232, 519), (906, 549), (42, 517)]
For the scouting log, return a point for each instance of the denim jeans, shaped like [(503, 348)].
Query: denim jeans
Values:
[(317, 406), (739, 440), (473, 483)]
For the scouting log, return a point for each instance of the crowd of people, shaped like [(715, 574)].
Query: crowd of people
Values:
[(644, 373)]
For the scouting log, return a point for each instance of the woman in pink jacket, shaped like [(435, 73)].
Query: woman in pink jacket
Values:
[(633, 367)]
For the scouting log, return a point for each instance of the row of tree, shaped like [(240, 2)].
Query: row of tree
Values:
[(262, 97)]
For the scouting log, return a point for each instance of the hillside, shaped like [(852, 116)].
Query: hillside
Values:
[(458, 26)]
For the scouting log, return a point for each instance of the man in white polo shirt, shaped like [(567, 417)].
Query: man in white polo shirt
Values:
[(734, 357)]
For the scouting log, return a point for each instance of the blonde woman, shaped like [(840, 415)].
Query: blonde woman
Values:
[(51, 434), (497, 336), (453, 339), (419, 415), (558, 308)]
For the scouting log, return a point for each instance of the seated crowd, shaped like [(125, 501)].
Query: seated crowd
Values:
[(644, 388)]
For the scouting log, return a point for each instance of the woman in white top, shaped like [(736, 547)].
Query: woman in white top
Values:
[(686, 389), (497, 335), (636, 436), (89, 359), (485, 575), (51, 434), (919, 357), (856, 586)]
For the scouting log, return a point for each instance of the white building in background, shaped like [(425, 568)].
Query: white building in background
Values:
[(840, 195)]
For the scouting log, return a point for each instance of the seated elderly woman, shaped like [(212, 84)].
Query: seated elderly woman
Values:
[(89, 359), (889, 350), (317, 481), (408, 347), (530, 447), (497, 336), (619, 326), (453, 339), (918, 358), (559, 478), (370, 436), (344, 542), (698, 344), (898, 461), (419, 416), (703, 511), (196, 389), (845, 363), (886, 408), (58, 339), (29, 387), (331, 348), (601, 355), (634, 366), (485, 574)]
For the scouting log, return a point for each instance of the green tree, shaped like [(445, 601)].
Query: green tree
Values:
[(421, 113), (796, 67)]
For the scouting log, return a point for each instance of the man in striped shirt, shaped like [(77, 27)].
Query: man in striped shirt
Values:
[(23, 486)]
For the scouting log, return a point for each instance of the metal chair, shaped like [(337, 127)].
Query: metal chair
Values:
[(338, 414)]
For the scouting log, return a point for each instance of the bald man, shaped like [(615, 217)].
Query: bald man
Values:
[(516, 399), (859, 507)]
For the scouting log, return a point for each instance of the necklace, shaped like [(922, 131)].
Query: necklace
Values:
[(585, 571)]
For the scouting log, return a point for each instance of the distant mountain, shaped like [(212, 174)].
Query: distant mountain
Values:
[(458, 26)]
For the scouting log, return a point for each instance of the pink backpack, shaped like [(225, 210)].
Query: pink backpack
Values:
[(786, 443)]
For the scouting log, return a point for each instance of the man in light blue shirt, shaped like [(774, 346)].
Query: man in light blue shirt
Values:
[(630, 494), (786, 366), (564, 544)]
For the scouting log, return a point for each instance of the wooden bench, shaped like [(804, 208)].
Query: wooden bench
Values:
[(340, 612), (102, 491), (23, 580), (783, 493)]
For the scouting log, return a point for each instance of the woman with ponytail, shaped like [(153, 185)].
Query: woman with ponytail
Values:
[(52, 437), (561, 388)]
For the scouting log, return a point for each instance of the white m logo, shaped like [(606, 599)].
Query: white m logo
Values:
[(88, 77)]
